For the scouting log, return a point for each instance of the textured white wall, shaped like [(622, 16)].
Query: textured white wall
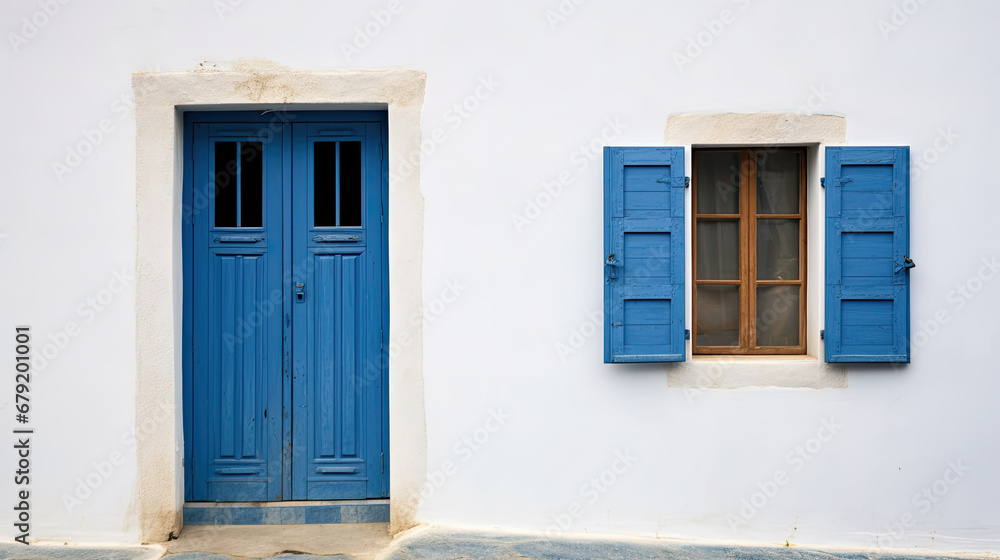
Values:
[(491, 350)]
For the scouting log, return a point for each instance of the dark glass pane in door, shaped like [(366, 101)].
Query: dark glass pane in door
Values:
[(325, 183), (225, 184), (251, 184), (350, 184)]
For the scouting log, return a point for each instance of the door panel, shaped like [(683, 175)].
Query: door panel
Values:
[(338, 431), (236, 378)]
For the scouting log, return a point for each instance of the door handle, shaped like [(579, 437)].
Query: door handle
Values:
[(300, 292), (610, 264)]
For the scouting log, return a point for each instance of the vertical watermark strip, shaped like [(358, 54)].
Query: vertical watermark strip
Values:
[(22, 433)]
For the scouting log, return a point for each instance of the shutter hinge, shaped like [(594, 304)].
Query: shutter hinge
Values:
[(381, 153), (382, 461), (687, 182), (822, 182), (822, 334), (687, 334)]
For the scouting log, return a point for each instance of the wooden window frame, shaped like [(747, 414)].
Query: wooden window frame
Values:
[(748, 282)]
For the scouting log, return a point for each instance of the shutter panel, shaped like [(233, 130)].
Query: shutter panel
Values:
[(644, 255), (867, 251)]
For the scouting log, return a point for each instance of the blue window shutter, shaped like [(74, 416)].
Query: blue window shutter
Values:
[(867, 254), (644, 255)]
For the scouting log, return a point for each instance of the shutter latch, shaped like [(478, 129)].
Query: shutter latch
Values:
[(687, 334), (907, 263)]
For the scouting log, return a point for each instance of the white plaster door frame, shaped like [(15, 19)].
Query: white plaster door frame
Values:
[(161, 98)]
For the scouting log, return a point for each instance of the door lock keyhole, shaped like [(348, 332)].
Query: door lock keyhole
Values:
[(300, 292)]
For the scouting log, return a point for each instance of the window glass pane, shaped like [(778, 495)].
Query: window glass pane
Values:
[(718, 316), (777, 249), (225, 184), (718, 249), (350, 183), (777, 315), (251, 184), (718, 182), (325, 183), (778, 184)]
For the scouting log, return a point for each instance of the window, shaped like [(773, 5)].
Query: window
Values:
[(748, 253), (749, 243)]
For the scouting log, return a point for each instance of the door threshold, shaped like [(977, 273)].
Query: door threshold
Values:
[(286, 513)]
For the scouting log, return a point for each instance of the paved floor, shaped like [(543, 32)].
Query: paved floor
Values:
[(448, 544), (361, 541), (370, 541)]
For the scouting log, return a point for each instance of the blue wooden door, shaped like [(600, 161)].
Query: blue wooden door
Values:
[(285, 307)]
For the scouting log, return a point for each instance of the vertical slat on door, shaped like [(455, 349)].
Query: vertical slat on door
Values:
[(250, 345), (229, 294), (348, 342), (325, 398)]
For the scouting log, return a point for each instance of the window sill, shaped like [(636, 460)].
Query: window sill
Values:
[(754, 358), (738, 372)]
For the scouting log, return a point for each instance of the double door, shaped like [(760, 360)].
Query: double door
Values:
[(285, 307)]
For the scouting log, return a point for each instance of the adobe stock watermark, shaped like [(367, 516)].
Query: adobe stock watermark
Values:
[(202, 196), (900, 16), (817, 98), (562, 12), (591, 492), (105, 467), (225, 7), (122, 108), (464, 449), (87, 311), (364, 34), (588, 153), (579, 334), (922, 161), (456, 116), (31, 25), (924, 501), (797, 458), (770, 317), (703, 39), (959, 297)]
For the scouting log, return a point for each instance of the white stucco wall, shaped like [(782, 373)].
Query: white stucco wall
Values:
[(541, 96)]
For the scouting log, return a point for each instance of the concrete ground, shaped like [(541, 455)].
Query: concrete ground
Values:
[(370, 541)]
